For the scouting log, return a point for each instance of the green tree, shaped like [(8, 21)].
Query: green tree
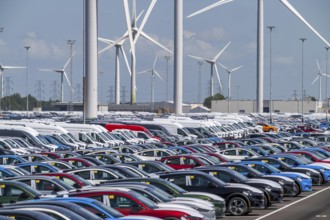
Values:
[(207, 101)]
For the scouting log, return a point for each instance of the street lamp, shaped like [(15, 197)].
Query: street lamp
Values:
[(27, 80), (270, 72), (302, 78), (326, 83)]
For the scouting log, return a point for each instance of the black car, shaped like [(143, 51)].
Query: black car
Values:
[(273, 191), (105, 158), (239, 198), (289, 186), (315, 175), (92, 159)]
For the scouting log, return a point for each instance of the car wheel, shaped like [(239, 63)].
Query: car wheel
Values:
[(298, 189), (237, 206), (322, 179)]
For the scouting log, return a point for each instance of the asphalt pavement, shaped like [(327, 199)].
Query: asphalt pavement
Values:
[(313, 205)]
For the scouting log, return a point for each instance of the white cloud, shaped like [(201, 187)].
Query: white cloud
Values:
[(215, 34), (188, 35)]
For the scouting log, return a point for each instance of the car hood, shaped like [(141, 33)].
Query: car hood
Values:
[(190, 211), (211, 195), (263, 181)]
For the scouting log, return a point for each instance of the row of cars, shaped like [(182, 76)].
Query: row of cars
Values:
[(150, 181)]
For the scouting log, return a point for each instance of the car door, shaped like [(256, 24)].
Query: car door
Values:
[(99, 176)]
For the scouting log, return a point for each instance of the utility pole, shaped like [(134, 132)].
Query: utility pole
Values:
[(39, 91), (77, 92), (111, 94), (123, 92), (7, 90), (54, 91), (270, 73)]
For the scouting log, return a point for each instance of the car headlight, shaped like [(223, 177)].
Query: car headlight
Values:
[(308, 173), (299, 179), (322, 170), (281, 182), (267, 188), (247, 193)]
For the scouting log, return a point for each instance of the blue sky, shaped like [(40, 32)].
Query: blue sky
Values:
[(46, 25)]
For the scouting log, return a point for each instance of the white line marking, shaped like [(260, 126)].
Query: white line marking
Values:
[(284, 207)]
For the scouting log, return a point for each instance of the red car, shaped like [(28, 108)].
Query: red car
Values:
[(52, 155), (183, 161), (310, 155), (129, 202)]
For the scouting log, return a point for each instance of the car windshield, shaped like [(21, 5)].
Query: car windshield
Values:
[(143, 199), (162, 195), (42, 139), (240, 176), (173, 186)]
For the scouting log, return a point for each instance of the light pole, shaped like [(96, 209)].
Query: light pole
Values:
[(70, 43), (27, 80), (167, 58), (326, 83), (302, 78), (101, 74), (237, 99), (1, 30), (270, 73)]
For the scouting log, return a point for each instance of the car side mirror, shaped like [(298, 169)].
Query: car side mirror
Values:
[(211, 185), (136, 208), (57, 189), (77, 186), (250, 175), (24, 195)]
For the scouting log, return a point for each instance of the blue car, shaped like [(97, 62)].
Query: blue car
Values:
[(319, 150), (11, 159), (304, 181), (299, 161), (59, 145), (11, 171), (37, 167)]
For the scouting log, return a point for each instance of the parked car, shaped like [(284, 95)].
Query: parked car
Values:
[(239, 198)]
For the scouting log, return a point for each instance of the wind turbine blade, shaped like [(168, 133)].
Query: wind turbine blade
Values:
[(138, 17), (126, 61), (155, 62), (49, 70), (145, 71), (295, 12), (237, 68), (318, 76), (13, 67), (114, 43), (197, 58), (223, 49), (158, 75), (155, 42), (318, 66), (224, 67), (145, 18), (104, 40), (216, 71), (129, 27), (67, 79), (209, 7), (67, 62)]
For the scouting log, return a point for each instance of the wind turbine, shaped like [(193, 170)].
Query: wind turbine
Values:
[(2, 69), (63, 74), (229, 71), (119, 48), (154, 73), (260, 40), (133, 33), (213, 64), (319, 77)]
